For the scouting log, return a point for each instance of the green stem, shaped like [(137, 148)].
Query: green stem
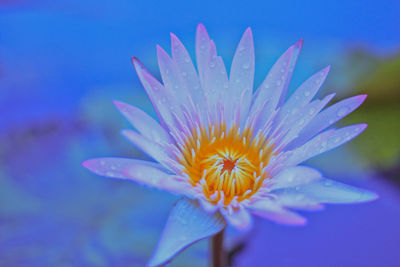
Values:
[(218, 255)]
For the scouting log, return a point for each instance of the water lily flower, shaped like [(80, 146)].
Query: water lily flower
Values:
[(228, 151)]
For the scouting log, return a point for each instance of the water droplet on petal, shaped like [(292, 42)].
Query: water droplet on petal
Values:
[(307, 93), (328, 183), (341, 112), (246, 66), (312, 110)]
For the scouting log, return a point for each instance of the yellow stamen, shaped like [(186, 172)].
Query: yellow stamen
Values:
[(226, 165)]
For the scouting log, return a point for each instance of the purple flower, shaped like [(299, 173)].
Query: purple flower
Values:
[(228, 151)]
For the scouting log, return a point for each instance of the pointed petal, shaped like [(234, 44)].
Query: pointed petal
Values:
[(215, 80), (327, 117), (202, 50), (294, 176), (304, 93), (187, 70), (324, 142), (171, 77), (295, 123), (140, 171), (241, 76), (273, 211), (164, 103), (296, 51), (187, 223), (269, 92), (296, 200), (329, 191), (145, 124), (240, 219), (149, 147)]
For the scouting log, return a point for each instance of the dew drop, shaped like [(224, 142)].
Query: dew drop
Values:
[(301, 121), (110, 174), (278, 83), (187, 59), (337, 140), (184, 74), (246, 66), (328, 183), (312, 110), (341, 112), (307, 93)]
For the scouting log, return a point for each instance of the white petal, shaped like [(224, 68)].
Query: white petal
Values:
[(163, 101), (294, 123), (202, 50), (327, 117), (215, 80), (187, 70), (145, 124), (187, 223), (241, 76), (304, 93), (329, 191), (240, 219), (294, 176), (323, 142), (149, 147), (296, 51), (142, 172), (269, 93), (296, 200), (172, 78), (273, 211)]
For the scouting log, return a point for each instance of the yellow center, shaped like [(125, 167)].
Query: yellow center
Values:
[(226, 166)]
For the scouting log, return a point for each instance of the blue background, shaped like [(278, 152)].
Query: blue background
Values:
[(63, 62)]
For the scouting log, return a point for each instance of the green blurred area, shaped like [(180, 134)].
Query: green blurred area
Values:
[(379, 145)]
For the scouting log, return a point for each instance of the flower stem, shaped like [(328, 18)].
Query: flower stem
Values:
[(218, 255)]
